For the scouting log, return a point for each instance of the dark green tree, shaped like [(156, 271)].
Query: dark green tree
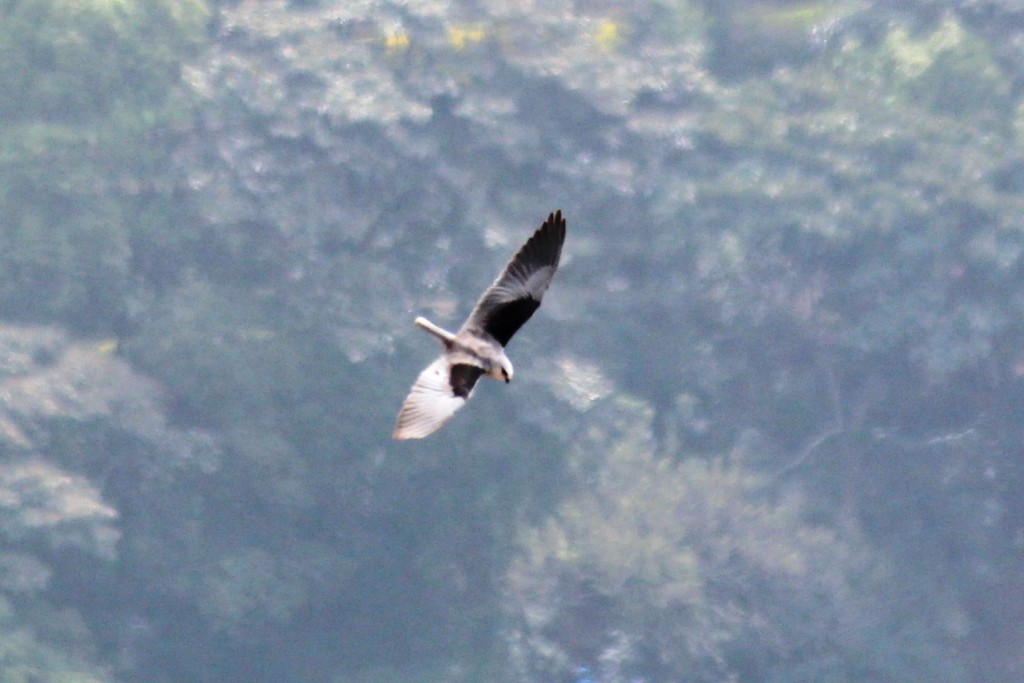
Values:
[(88, 100), (657, 571)]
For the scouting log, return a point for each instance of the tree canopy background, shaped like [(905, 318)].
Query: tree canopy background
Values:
[(766, 426)]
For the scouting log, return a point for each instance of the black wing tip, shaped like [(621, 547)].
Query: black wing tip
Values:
[(551, 230), (555, 219), (544, 247)]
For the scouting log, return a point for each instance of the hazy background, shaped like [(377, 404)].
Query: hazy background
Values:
[(766, 427)]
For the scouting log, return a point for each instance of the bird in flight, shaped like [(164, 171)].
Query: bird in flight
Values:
[(478, 348)]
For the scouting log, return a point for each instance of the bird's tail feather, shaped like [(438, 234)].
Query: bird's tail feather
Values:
[(442, 334)]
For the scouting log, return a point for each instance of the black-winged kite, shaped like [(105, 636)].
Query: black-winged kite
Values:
[(478, 347)]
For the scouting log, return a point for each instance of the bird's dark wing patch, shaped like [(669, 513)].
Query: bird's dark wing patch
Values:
[(463, 378), (516, 294), (503, 322), (431, 401)]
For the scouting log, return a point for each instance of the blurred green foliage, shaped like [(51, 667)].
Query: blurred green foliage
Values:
[(67, 408), (25, 657), (87, 93), (654, 568)]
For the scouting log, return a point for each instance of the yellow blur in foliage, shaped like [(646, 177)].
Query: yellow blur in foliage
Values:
[(608, 34), (106, 346), (396, 41), (462, 35)]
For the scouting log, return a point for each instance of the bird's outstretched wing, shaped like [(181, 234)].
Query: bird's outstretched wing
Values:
[(439, 391), (517, 292)]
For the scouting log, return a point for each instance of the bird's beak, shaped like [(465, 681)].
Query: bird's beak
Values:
[(507, 380)]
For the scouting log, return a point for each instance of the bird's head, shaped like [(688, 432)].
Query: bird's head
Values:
[(503, 370)]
